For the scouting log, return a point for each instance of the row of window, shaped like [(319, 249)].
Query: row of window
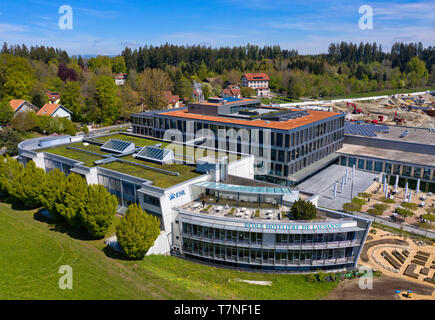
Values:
[(244, 237), (126, 192), (276, 139), (390, 168), (263, 256)]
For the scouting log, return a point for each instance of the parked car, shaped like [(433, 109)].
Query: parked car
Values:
[(130, 129)]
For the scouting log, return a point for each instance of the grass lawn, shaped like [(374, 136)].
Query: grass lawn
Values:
[(32, 252)]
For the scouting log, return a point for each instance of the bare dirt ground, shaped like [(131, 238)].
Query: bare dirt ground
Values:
[(384, 288), (387, 107)]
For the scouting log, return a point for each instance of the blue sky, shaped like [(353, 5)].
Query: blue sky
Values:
[(106, 27)]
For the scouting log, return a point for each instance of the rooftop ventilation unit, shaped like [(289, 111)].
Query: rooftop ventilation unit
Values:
[(154, 154), (118, 146)]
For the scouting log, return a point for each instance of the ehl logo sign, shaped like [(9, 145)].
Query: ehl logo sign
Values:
[(175, 195)]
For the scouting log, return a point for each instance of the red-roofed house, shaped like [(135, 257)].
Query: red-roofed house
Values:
[(120, 79), (231, 91), (173, 100), (257, 81), (22, 106), (54, 110), (53, 97)]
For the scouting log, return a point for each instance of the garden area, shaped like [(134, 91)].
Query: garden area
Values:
[(420, 211)]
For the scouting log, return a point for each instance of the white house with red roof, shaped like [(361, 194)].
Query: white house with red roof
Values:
[(54, 110), (257, 81), (19, 105)]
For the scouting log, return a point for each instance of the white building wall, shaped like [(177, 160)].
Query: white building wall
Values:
[(62, 113)]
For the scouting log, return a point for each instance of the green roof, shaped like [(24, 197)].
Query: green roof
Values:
[(92, 152)]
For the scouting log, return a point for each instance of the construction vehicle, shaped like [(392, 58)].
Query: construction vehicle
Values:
[(355, 109)]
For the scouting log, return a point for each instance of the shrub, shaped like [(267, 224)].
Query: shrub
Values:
[(99, 210), (26, 188), (206, 209), (73, 199), (303, 210), (10, 169), (410, 206), (386, 200), (52, 190), (85, 129), (232, 211), (311, 278), (374, 211), (404, 212), (381, 206), (365, 195), (359, 201), (136, 232), (257, 213), (351, 206)]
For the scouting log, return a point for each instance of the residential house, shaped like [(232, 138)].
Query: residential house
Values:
[(173, 100), (19, 105), (54, 110), (120, 79), (257, 81), (53, 97), (231, 91)]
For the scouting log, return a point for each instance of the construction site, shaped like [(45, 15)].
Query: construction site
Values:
[(404, 109)]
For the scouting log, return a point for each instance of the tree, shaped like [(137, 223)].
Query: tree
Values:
[(39, 97), (25, 121), (118, 65), (10, 169), (6, 113), (99, 210), (9, 139), (67, 74), (16, 78), (52, 191), (73, 200), (27, 187), (130, 102), (137, 232), (108, 102), (303, 210), (247, 92), (72, 99), (151, 83)]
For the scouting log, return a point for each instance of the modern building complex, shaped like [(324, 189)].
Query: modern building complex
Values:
[(210, 207), (289, 144), (406, 152)]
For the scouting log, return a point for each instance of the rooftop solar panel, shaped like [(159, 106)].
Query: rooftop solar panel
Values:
[(155, 154), (118, 146), (367, 130)]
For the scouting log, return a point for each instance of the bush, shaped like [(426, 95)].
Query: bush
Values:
[(351, 206), (52, 190), (26, 188), (381, 206), (359, 201), (303, 210), (374, 211), (386, 200), (232, 211), (136, 232), (85, 129), (257, 213), (10, 169), (365, 195), (410, 206), (73, 200), (311, 278), (404, 212), (99, 210)]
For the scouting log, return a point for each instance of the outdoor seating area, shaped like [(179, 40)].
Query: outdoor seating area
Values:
[(225, 209)]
